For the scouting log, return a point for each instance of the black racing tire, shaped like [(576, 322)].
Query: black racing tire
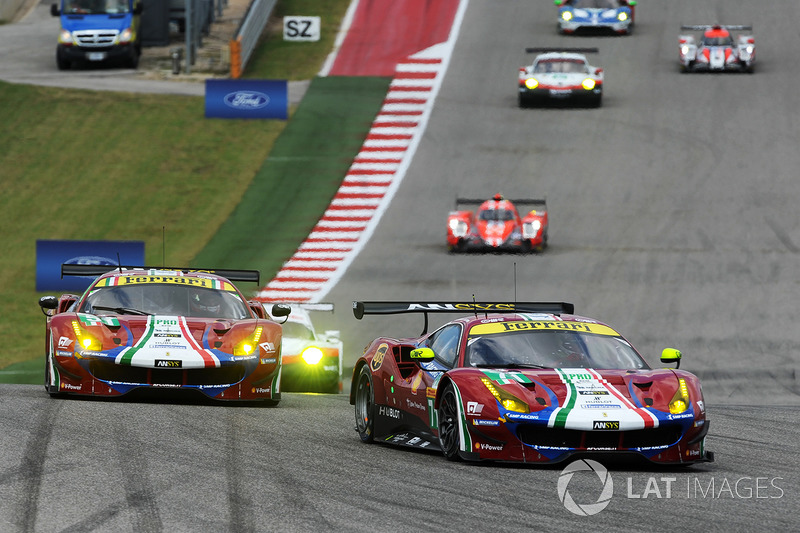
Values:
[(62, 64), (365, 405), (449, 424)]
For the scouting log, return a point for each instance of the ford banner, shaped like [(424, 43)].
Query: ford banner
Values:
[(247, 99), (51, 254)]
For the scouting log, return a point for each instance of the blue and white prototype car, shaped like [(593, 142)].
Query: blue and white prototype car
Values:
[(615, 16)]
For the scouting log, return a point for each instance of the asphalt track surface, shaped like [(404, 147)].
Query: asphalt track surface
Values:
[(672, 218)]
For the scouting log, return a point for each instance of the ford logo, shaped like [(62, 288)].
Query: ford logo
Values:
[(246, 100)]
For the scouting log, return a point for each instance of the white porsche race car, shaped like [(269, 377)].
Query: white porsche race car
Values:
[(559, 75)]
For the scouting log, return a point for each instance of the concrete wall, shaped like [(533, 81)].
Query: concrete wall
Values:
[(11, 10)]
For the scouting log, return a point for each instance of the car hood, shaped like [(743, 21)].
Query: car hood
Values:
[(96, 22), (582, 399)]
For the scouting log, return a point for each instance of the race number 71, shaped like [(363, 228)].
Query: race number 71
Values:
[(301, 28)]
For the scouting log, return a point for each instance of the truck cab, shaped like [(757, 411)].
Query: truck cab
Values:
[(98, 31)]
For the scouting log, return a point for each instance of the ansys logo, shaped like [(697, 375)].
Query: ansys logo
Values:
[(587, 509)]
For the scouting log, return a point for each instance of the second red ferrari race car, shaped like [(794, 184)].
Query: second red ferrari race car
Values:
[(498, 225), (524, 381), (161, 329), (717, 50)]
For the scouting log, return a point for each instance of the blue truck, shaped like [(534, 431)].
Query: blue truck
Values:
[(98, 31)]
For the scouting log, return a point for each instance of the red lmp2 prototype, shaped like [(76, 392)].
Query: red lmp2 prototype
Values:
[(524, 382), (158, 328), (497, 226), (716, 50)]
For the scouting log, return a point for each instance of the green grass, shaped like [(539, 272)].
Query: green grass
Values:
[(118, 166)]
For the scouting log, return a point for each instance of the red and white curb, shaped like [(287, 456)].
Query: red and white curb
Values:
[(370, 183)]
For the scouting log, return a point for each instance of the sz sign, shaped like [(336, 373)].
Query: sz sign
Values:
[(247, 99), (301, 28)]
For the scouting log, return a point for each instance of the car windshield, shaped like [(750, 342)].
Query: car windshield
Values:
[(560, 65), (718, 41), (547, 348), (96, 7), (602, 4), (502, 215), (165, 299), (296, 330)]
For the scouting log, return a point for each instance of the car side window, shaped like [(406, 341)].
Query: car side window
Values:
[(444, 344)]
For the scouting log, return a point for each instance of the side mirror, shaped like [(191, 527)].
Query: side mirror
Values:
[(48, 303), (281, 310), (632, 3), (558, 2), (598, 71), (54, 10), (422, 355), (671, 355)]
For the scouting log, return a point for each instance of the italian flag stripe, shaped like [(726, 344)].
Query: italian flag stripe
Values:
[(648, 417), (126, 355), (209, 358)]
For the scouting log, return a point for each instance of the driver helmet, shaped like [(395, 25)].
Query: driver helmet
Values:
[(205, 303)]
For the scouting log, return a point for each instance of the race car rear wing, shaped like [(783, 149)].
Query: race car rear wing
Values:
[(565, 49), (98, 270), (394, 308), (698, 27), (520, 201)]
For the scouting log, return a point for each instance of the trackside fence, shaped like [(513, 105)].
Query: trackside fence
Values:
[(246, 37)]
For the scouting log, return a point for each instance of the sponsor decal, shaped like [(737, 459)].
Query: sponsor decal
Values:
[(606, 425), (245, 100), (69, 386), (377, 359), (463, 307), (268, 347), (430, 392), (593, 392), (415, 405), (166, 363), (521, 416), (390, 412), (474, 408), (489, 447), (483, 422), (268, 360), (63, 353), (168, 335), (207, 283), (504, 327), (261, 390), (64, 342)]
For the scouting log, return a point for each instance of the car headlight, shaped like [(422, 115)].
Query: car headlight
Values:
[(507, 400), (531, 83), (622, 17), (588, 84), (530, 229), (684, 49), (312, 355), (458, 227), (566, 15), (249, 345), (125, 36), (680, 402), (84, 340), (65, 37)]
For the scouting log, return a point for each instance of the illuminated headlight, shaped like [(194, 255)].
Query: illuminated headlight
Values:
[(749, 49), (566, 15), (312, 355), (458, 227), (680, 402), (249, 345), (125, 36), (65, 37), (531, 83), (622, 16), (684, 49), (588, 84), (506, 400), (530, 229), (84, 340)]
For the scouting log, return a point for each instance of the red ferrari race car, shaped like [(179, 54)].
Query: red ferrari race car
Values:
[(497, 226), (717, 51), (158, 328), (524, 381)]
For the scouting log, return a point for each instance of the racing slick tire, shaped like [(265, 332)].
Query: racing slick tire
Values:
[(365, 405), (449, 424)]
